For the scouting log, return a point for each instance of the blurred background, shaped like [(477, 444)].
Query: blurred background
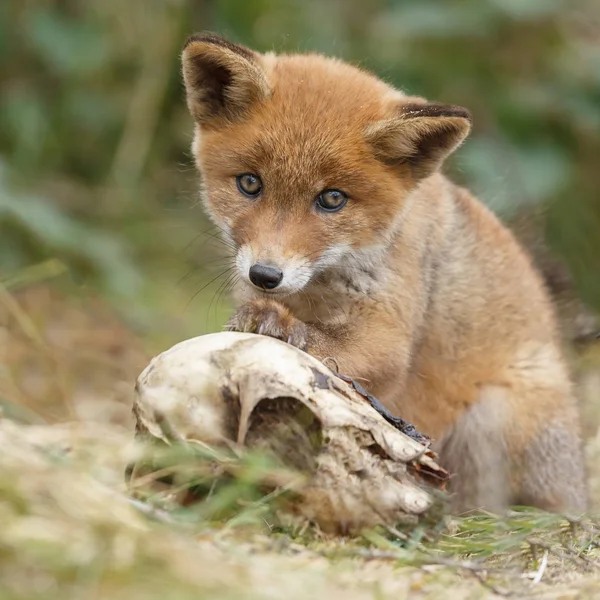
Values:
[(105, 256)]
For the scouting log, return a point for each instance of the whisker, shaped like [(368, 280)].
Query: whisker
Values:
[(206, 285), (217, 295), (230, 283), (215, 236), (186, 276)]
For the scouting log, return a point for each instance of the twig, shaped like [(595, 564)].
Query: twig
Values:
[(151, 511), (486, 584), (576, 559), (540, 572), (591, 530), (399, 534)]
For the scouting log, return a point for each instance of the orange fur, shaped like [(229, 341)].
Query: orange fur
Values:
[(413, 287)]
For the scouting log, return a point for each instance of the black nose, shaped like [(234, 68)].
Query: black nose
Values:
[(265, 276)]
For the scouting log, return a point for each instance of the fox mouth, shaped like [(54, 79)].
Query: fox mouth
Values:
[(264, 293)]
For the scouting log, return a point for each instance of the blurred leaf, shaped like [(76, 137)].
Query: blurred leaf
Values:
[(544, 171), (64, 235), (510, 178), (530, 9), (34, 274), (435, 19), (90, 111), (69, 46), (27, 122)]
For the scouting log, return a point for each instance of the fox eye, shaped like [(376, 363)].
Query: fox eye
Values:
[(331, 200), (249, 184)]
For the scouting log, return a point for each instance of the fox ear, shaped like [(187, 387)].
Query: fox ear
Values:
[(222, 80), (420, 134)]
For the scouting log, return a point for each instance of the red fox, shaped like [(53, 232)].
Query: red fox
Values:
[(351, 245)]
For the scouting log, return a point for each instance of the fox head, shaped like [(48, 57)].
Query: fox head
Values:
[(306, 160)]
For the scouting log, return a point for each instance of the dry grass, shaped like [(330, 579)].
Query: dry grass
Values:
[(69, 530)]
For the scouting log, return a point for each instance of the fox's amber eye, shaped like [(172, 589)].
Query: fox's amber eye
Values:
[(250, 185), (331, 200)]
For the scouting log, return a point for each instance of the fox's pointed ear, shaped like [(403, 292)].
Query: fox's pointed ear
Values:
[(222, 80), (420, 134)]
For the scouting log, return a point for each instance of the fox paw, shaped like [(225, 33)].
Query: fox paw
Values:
[(267, 317)]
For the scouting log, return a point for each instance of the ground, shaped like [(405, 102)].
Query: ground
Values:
[(68, 528)]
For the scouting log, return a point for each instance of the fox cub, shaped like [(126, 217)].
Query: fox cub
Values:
[(352, 246)]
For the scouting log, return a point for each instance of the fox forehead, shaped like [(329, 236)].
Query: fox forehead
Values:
[(309, 131), (308, 85)]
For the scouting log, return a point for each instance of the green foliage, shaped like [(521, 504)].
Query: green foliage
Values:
[(32, 218), (96, 130), (219, 485)]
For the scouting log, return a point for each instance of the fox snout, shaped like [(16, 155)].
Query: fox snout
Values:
[(272, 271)]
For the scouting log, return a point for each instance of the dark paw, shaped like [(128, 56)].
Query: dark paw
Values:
[(266, 317)]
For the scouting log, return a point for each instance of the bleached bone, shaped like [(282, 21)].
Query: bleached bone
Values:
[(259, 392)]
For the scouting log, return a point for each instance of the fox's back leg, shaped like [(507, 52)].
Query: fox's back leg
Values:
[(554, 475), (512, 448)]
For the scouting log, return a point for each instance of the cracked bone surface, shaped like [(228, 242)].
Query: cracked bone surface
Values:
[(257, 392)]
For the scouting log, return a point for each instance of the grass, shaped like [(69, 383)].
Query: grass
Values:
[(69, 528)]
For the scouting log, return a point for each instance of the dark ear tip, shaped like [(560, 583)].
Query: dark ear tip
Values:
[(435, 110), (205, 36), (208, 37), (459, 111)]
